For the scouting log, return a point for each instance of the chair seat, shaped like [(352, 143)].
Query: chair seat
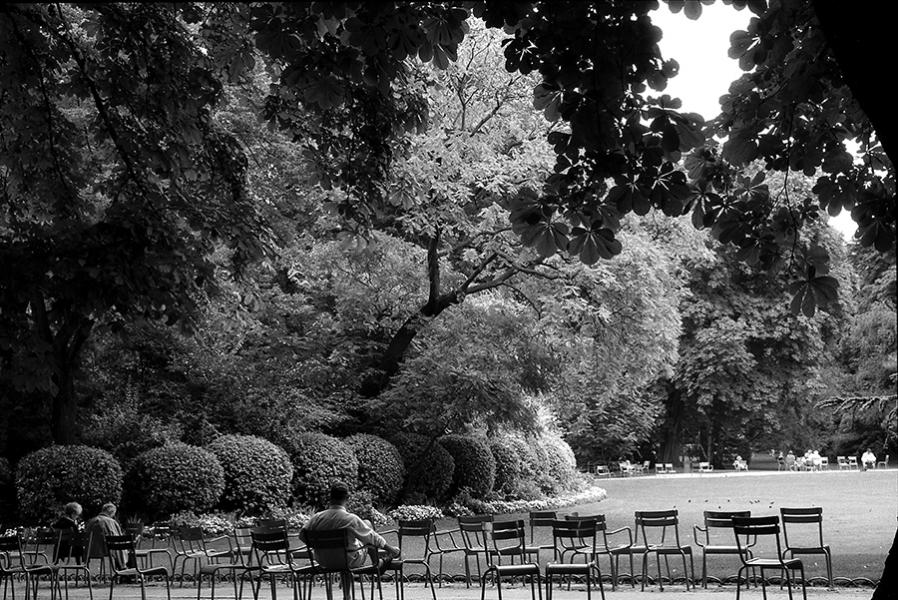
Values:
[(211, 569), (511, 570), (670, 549), (721, 550), (773, 562), (808, 550), (569, 568), (147, 571)]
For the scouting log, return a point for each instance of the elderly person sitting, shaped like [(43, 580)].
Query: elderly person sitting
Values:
[(99, 527)]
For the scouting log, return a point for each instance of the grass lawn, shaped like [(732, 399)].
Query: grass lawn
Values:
[(859, 511)]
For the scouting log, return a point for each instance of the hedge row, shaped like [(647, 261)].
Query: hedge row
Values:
[(253, 476)]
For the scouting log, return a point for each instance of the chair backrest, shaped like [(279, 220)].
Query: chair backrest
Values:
[(540, 518), (805, 525), (118, 548), (191, 539), (71, 545), (271, 524), (420, 529), (574, 533), (270, 547), (659, 469), (764, 533), (474, 531), (852, 461), (658, 526), (40, 543), (509, 539), (722, 521), (11, 550), (668, 467), (329, 548)]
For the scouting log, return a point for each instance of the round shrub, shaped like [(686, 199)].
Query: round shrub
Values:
[(381, 471), (561, 465), (429, 467), (50, 477), (257, 473), (526, 451), (320, 460), (174, 478), (508, 464), (475, 467)]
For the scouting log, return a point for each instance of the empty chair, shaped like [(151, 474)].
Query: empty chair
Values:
[(884, 464), (660, 535), (606, 544), (580, 536), (474, 532), (510, 541), (415, 533), (541, 519), (273, 557), (603, 471), (803, 534), (766, 553), (824, 463), (11, 570), (116, 545), (705, 467), (669, 468), (154, 542), (192, 546), (659, 469), (71, 555), (18, 562), (716, 537), (843, 463), (852, 463)]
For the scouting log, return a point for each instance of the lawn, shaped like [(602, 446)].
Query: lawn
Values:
[(859, 510)]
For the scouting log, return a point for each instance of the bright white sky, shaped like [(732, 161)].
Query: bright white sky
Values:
[(700, 47)]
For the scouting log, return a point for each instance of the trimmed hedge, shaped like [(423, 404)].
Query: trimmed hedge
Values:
[(320, 460), (50, 477), (475, 467), (381, 470), (508, 464), (526, 451), (174, 478), (561, 465), (429, 467), (257, 474)]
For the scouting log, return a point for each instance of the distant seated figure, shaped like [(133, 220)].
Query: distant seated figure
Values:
[(71, 514), (739, 464), (868, 458), (99, 527), (790, 461)]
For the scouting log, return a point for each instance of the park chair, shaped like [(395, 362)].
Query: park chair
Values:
[(852, 463), (883, 463), (154, 541), (607, 545), (578, 535), (193, 545), (669, 468), (659, 469), (116, 545), (843, 463), (11, 567), (538, 519), (766, 553), (240, 567), (38, 547), (510, 540), (420, 533), (603, 471), (71, 555), (626, 468), (806, 527), (333, 543), (716, 537), (273, 557), (271, 524), (660, 535), (705, 467), (21, 562), (824, 463), (474, 532)]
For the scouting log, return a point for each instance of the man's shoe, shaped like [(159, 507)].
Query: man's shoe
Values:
[(384, 565)]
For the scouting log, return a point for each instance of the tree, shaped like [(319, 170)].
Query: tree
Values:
[(117, 183), (618, 149)]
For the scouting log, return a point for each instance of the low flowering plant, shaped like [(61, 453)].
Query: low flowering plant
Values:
[(409, 512)]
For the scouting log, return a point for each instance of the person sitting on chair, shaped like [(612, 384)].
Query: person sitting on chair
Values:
[(99, 527), (868, 459), (364, 542)]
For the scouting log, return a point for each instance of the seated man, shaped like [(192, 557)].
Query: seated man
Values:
[(868, 459), (363, 540)]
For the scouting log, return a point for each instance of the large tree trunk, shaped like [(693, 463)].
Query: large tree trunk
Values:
[(672, 430), (62, 421)]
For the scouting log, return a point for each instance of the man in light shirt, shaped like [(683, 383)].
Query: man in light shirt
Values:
[(868, 459), (364, 542)]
